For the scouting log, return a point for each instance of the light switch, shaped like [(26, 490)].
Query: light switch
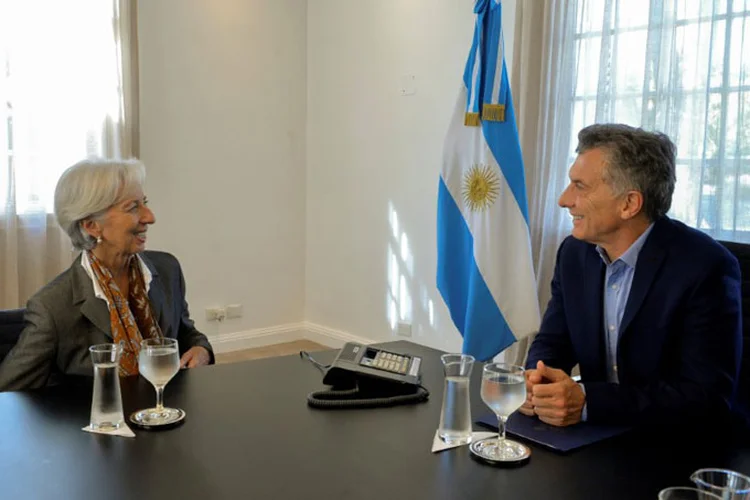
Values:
[(408, 85)]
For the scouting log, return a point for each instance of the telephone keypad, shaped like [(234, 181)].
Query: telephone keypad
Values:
[(391, 362)]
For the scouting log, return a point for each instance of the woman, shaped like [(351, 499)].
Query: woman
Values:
[(114, 291)]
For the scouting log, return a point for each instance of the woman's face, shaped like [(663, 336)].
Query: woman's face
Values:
[(124, 225)]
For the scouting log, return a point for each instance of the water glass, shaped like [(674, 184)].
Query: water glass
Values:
[(682, 493), (106, 401), (455, 415), (504, 391), (158, 362), (726, 484)]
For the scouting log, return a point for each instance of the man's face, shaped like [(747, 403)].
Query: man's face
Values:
[(595, 209)]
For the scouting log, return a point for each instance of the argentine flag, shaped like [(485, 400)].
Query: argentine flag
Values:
[(484, 272)]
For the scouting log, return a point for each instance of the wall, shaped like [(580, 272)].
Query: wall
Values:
[(223, 113), (288, 171), (373, 160)]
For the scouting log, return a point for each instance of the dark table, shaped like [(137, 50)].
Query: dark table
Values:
[(250, 434)]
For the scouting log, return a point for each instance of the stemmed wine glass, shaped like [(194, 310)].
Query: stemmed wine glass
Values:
[(158, 362), (504, 391)]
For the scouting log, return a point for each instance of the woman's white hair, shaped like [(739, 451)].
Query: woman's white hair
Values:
[(87, 189)]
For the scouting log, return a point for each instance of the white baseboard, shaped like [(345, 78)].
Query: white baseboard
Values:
[(259, 337), (289, 332), (330, 337)]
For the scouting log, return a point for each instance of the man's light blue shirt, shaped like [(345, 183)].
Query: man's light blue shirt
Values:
[(618, 280)]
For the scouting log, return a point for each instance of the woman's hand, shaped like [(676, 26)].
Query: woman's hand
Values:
[(195, 356)]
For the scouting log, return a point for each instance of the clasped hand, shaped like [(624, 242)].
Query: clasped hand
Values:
[(195, 356), (553, 396)]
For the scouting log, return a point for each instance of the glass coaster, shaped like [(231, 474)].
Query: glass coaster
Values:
[(153, 419), (513, 453)]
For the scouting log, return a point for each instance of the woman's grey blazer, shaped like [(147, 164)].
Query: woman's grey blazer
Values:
[(64, 318)]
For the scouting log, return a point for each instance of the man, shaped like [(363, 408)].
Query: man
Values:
[(646, 306)]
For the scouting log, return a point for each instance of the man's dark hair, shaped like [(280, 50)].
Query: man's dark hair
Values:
[(635, 160)]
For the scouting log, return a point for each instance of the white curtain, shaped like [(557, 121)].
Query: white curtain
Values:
[(67, 91), (541, 81), (680, 67), (677, 66)]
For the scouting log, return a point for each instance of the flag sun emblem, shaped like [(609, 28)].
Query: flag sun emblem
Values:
[(481, 187)]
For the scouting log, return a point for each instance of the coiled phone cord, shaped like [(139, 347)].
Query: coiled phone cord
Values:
[(332, 399), (352, 398)]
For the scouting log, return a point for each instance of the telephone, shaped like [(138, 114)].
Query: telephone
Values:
[(364, 377)]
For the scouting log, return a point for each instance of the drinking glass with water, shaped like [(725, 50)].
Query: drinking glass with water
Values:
[(455, 416), (158, 362), (504, 391), (725, 483), (106, 401)]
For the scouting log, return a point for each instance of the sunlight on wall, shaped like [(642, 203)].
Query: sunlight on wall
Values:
[(397, 297), (401, 283), (428, 306)]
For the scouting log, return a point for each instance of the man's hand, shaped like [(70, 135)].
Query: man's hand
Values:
[(560, 401), (195, 356), (532, 378)]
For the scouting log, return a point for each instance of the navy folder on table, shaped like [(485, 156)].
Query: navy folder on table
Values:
[(558, 438)]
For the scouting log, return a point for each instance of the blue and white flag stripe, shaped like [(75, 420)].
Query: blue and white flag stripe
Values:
[(485, 271), (497, 92), (472, 72)]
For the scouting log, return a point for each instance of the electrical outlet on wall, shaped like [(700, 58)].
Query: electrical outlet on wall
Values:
[(404, 329), (234, 311), (216, 313)]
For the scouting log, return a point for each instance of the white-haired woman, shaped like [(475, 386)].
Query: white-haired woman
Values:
[(114, 291)]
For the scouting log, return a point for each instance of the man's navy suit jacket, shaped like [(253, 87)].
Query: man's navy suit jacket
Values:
[(680, 339)]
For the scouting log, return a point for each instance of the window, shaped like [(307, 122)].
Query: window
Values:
[(60, 93), (681, 67)]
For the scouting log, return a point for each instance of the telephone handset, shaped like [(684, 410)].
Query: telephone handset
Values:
[(364, 376)]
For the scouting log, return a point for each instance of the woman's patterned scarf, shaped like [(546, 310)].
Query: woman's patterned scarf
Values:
[(131, 318)]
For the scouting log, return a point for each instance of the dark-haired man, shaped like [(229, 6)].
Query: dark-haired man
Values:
[(646, 306)]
